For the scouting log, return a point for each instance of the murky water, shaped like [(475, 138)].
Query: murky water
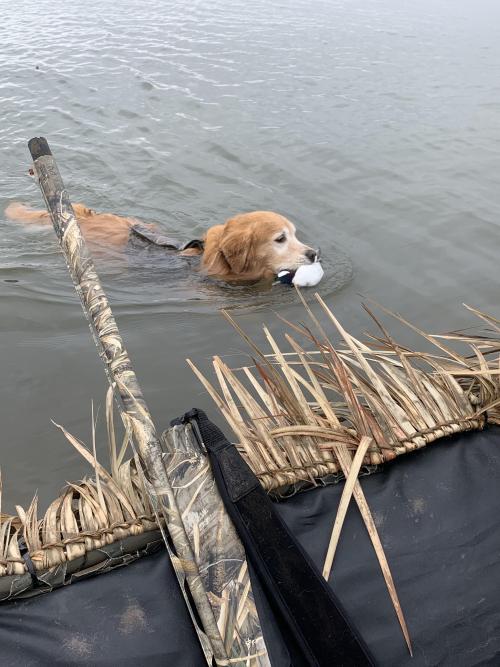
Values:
[(372, 125)]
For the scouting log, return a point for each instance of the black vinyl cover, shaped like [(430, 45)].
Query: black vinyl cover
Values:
[(132, 616), (438, 514), (312, 622)]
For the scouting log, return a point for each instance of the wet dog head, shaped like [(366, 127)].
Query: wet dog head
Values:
[(254, 245)]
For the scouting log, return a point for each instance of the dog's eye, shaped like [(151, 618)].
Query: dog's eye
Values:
[(281, 239)]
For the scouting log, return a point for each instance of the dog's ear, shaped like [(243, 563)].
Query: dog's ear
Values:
[(213, 261), (238, 249)]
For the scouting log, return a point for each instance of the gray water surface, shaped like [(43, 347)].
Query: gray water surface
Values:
[(374, 126)]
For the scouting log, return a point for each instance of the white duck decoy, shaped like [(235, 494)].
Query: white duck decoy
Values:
[(307, 275)]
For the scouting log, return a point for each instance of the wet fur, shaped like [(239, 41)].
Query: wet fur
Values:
[(244, 248)]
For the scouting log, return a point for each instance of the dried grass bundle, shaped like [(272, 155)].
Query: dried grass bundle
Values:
[(302, 417), (87, 514), (292, 410)]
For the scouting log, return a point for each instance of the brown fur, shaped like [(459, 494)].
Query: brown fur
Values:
[(245, 248)]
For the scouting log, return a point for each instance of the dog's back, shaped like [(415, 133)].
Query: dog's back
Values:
[(100, 228)]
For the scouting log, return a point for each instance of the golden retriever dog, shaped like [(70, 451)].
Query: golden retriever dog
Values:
[(248, 247)]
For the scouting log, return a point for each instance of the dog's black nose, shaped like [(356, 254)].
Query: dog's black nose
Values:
[(311, 254)]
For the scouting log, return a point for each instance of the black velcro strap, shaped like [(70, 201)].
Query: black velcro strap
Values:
[(24, 551), (147, 234), (162, 241), (314, 625), (195, 243)]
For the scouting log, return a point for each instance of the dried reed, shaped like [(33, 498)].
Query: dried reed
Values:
[(291, 410), (86, 515), (302, 417)]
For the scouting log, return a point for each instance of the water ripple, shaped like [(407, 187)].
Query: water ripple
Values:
[(372, 125)]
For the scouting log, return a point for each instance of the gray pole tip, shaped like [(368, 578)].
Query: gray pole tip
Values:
[(38, 147)]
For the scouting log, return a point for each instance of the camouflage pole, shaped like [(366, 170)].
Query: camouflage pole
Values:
[(122, 377)]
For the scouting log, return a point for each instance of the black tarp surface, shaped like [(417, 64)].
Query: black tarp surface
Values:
[(438, 513), (134, 615)]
